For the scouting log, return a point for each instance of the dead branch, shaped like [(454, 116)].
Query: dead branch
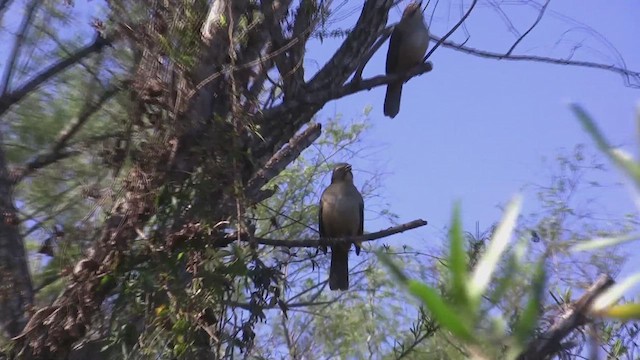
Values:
[(535, 23), (453, 29), (549, 342), (631, 78)]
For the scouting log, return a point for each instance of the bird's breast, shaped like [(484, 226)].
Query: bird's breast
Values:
[(413, 47), (341, 216)]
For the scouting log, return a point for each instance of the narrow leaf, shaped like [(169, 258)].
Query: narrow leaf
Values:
[(618, 157), (487, 264), (614, 293), (457, 257), (526, 324), (395, 269), (630, 311), (604, 242), (446, 316)]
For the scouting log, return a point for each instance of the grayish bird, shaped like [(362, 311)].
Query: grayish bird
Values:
[(341, 215), (407, 46)]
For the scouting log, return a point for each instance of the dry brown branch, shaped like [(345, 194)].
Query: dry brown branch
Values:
[(549, 342)]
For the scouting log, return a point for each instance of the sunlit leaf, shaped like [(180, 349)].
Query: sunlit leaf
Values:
[(526, 324), (604, 242), (457, 259), (614, 293), (487, 264), (446, 316), (617, 156), (630, 311), (395, 269)]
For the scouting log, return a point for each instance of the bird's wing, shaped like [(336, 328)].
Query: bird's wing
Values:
[(361, 228), (394, 51), (320, 223), (321, 229)]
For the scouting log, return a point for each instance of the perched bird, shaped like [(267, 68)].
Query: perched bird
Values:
[(341, 215), (407, 46)]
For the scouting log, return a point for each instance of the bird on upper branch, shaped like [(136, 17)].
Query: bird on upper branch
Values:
[(341, 215), (407, 46)]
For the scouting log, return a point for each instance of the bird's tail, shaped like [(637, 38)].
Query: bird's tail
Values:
[(339, 270), (392, 100)]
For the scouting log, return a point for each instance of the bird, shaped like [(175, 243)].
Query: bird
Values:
[(341, 215), (407, 46)]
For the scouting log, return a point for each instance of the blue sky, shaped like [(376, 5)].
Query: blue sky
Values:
[(476, 129)]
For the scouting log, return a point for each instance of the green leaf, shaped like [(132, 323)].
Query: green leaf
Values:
[(446, 316), (526, 324), (395, 269), (457, 259), (604, 242), (487, 264), (618, 157), (614, 293), (630, 311)]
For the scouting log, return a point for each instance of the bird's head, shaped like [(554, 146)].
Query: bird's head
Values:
[(412, 10), (342, 172)]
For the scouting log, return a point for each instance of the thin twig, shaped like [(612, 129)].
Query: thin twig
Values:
[(11, 98), (535, 23)]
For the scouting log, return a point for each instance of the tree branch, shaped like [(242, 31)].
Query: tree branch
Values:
[(626, 73), (549, 343), (535, 23), (282, 158), (11, 98), (328, 241), (453, 29), (57, 151), (17, 45)]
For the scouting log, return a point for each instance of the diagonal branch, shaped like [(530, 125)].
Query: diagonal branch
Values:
[(4, 5), (27, 20), (549, 342), (11, 98), (535, 23), (453, 29), (282, 158), (58, 150)]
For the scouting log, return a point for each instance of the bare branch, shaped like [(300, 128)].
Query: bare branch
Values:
[(383, 37), (549, 342), (627, 74), (11, 98), (282, 158), (355, 86), (4, 5), (317, 242), (27, 20), (535, 23), (453, 29)]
